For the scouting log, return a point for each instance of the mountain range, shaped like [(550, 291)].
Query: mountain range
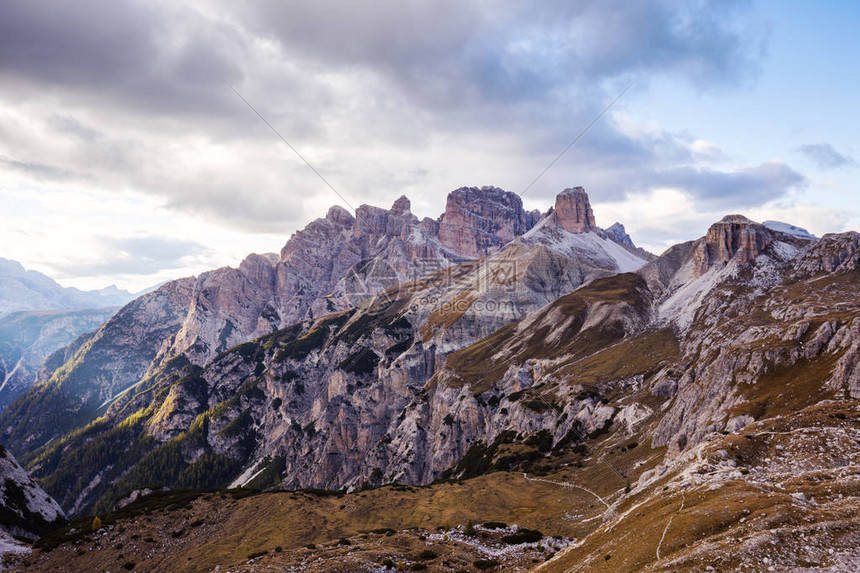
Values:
[(38, 316), (27, 290), (716, 386)]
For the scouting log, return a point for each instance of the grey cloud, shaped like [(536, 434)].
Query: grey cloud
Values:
[(168, 59), (502, 51), (274, 209), (362, 82), (825, 156), (137, 256), (712, 190), (743, 188), (39, 171)]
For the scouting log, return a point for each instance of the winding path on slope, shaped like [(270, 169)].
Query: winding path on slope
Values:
[(569, 485), (665, 529)]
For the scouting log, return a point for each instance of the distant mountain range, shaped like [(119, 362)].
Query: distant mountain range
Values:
[(23, 290), (716, 385), (38, 317)]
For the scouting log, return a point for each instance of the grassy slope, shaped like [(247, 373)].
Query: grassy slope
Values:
[(731, 517), (235, 528)]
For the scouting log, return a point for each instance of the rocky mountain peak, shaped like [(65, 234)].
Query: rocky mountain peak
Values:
[(572, 211), (832, 253), (478, 221), (340, 216), (24, 290), (736, 220), (618, 233), (402, 206), (377, 222), (259, 268), (789, 229), (734, 237)]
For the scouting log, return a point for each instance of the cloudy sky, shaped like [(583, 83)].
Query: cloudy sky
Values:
[(125, 157)]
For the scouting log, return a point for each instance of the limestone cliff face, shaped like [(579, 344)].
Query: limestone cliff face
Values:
[(478, 222), (342, 392), (734, 237), (618, 233), (26, 511), (572, 211)]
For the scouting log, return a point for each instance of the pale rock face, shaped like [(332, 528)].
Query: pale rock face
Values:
[(573, 212), (832, 253), (733, 238), (478, 222), (25, 509), (340, 217), (375, 394), (730, 343)]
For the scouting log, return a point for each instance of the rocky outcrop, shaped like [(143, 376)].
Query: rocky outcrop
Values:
[(832, 253), (572, 211), (367, 365), (26, 511), (733, 238), (618, 233), (478, 222), (332, 264)]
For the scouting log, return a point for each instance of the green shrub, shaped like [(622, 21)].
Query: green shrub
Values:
[(542, 440), (537, 405), (523, 536)]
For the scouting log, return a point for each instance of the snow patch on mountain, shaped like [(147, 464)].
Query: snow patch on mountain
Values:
[(784, 251), (789, 229), (681, 307), (589, 247)]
